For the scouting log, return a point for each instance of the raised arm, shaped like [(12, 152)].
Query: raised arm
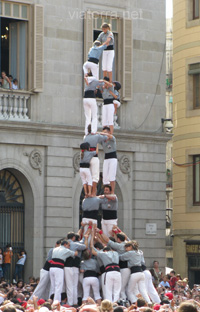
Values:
[(102, 236), (125, 256), (109, 84), (110, 136), (94, 252), (110, 196), (107, 41), (86, 81), (114, 95)]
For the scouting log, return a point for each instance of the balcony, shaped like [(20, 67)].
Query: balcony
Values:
[(14, 105)]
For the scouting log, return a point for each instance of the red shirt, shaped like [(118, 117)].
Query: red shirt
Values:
[(172, 282)]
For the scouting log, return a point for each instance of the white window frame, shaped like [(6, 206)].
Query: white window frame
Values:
[(35, 49), (125, 51)]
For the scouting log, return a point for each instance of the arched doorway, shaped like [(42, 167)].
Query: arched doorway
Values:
[(11, 214)]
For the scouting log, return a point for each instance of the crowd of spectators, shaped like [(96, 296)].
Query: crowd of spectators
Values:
[(16, 298), (174, 295), (7, 82)]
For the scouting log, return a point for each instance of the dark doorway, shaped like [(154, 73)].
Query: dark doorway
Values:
[(11, 215)]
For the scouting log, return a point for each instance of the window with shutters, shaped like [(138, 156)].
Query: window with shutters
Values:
[(194, 72), (122, 31), (196, 8), (196, 180), (193, 13), (21, 46)]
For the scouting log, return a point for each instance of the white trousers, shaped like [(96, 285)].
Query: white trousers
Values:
[(86, 176), (71, 280), (125, 275), (80, 285), (109, 170), (112, 286), (90, 109), (117, 103), (56, 277), (43, 287), (94, 168), (107, 60), (107, 225), (150, 287), (86, 221), (103, 284), (93, 67), (94, 283), (108, 115), (137, 282)]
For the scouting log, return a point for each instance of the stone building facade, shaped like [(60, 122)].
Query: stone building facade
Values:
[(41, 126), (186, 139)]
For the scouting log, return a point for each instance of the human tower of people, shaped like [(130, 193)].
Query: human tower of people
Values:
[(113, 267), (102, 263)]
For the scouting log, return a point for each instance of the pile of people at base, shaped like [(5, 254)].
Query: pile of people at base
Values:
[(91, 264)]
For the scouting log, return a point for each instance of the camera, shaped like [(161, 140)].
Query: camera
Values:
[(123, 302)]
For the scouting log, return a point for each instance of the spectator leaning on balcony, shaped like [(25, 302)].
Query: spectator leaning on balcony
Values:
[(5, 81), (15, 84)]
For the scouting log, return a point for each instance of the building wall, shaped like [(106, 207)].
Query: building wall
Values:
[(169, 146), (186, 137), (56, 130)]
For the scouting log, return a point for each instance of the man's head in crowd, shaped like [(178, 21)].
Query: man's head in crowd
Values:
[(120, 238), (155, 264), (106, 249), (57, 244), (165, 278), (141, 303), (106, 129), (65, 243), (98, 246), (187, 307), (107, 189), (71, 235), (172, 273)]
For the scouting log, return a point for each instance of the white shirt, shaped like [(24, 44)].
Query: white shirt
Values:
[(22, 260)]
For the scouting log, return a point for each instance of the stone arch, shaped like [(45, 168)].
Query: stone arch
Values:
[(33, 214)]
